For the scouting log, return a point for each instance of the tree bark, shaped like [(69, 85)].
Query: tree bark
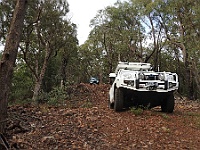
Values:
[(195, 73), (41, 76), (9, 57)]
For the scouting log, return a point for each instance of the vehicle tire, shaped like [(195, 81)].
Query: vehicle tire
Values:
[(110, 105), (168, 104), (118, 99)]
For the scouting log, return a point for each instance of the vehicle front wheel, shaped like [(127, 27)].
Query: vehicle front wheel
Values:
[(110, 105), (118, 99), (168, 104)]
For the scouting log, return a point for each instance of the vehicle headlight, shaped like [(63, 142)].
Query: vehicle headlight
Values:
[(129, 82), (171, 77), (141, 76), (161, 76), (128, 76), (128, 79)]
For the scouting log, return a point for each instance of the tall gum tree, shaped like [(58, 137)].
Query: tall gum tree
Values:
[(182, 30), (9, 57), (47, 34), (118, 32)]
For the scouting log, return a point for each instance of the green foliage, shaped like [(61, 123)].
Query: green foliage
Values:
[(137, 111), (86, 104), (45, 24), (165, 116), (22, 84), (27, 101), (55, 97), (7, 8)]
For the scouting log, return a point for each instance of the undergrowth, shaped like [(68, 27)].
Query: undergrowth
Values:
[(137, 111)]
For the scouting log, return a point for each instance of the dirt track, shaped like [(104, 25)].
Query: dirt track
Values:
[(86, 123)]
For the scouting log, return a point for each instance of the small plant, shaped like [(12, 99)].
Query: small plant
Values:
[(165, 116), (137, 111), (53, 101), (197, 122), (56, 97), (87, 104), (21, 102)]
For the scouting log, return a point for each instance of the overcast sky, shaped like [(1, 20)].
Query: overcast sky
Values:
[(82, 11)]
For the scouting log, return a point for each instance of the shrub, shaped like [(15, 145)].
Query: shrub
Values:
[(137, 111)]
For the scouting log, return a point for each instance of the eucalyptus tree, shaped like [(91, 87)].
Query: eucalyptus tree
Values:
[(6, 14), (118, 32), (180, 21), (129, 31), (48, 42), (9, 57), (148, 11), (89, 61), (174, 28), (47, 33), (68, 55)]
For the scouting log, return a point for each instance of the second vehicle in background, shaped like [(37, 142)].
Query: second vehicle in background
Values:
[(94, 80)]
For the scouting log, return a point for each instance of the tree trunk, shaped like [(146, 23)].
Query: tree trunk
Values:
[(196, 78), (65, 60), (41, 76), (9, 57)]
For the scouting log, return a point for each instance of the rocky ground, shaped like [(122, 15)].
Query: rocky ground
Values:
[(85, 122)]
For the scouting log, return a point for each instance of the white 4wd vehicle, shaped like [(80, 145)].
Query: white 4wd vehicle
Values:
[(135, 84)]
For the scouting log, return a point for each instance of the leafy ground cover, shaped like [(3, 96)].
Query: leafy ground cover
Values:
[(85, 122)]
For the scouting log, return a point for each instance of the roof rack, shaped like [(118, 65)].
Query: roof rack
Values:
[(132, 66)]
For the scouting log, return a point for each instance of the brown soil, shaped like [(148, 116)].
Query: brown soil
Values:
[(85, 122)]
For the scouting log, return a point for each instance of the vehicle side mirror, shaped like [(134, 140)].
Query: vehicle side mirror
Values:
[(112, 77)]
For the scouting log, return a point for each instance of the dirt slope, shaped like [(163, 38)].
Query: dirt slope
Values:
[(85, 122)]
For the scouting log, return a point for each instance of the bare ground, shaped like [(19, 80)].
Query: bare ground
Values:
[(85, 122)]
